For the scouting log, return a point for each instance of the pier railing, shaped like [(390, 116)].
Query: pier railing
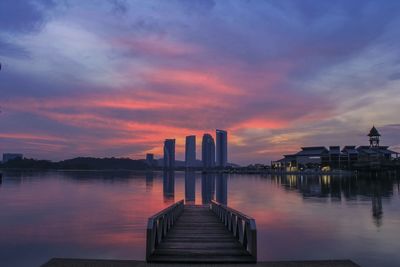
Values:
[(240, 225), (159, 224)]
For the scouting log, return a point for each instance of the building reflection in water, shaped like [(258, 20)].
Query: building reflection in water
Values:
[(336, 188), (377, 211), (207, 187), (169, 186), (149, 180), (222, 188), (190, 187)]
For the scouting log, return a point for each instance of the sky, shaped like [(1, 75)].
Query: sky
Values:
[(114, 78)]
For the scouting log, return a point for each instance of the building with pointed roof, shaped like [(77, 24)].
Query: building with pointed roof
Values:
[(350, 157), (374, 137)]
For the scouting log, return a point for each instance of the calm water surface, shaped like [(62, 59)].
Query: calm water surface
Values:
[(104, 214)]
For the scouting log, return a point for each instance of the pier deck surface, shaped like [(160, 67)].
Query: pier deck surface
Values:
[(199, 236)]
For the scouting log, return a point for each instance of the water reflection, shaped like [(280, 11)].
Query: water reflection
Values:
[(222, 188), (169, 186), (321, 217), (207, 187), (377, 211), (149, 180), (190, 187), (334, 188)]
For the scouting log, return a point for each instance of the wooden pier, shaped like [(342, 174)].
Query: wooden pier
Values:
[(208, 233)]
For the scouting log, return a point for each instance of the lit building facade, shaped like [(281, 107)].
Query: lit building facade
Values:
[(169, 153), (221, 148), (150, 159), (190, 151), (208, 151)]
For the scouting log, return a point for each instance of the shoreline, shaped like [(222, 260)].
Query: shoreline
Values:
[(62, 262), (346, 173)]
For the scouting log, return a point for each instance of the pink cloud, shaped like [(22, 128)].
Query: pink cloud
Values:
[(205, 81)]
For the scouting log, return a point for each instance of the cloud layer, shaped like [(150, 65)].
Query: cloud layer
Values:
[(115, 78)]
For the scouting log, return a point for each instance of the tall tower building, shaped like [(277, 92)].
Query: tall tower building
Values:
[(374, 137), (222, 148), (150, 159), (169, 153), (208, 151), (190, 151)]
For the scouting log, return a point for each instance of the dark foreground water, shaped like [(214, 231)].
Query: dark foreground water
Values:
[(103, 214)]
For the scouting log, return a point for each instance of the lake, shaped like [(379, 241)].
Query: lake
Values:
[(104, 214)]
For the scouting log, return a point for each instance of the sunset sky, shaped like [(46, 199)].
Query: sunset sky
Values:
[(115, 78)]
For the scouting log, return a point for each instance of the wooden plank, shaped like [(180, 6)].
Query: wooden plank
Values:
[(201, 247), (208, 259), (199, 236)]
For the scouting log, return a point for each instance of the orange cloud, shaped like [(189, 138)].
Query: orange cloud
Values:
[(25, 136), (262, 124), (205, 81)]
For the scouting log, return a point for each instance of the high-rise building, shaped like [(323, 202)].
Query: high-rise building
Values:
[(169, 153), (222, 148), (208, 151), (190, 151), (150, 159)]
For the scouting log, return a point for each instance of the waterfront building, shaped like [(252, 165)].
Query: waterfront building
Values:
[(333, 157), (221, 148), (11, 156), (169, 153), (150, 159), (310, 157), (190, 151), (208, 151), (373, 137), (350, 157), (374, 154)]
